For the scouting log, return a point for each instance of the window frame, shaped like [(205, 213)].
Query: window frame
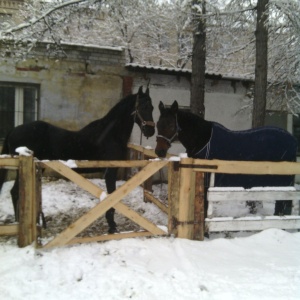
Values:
[(19, 101)]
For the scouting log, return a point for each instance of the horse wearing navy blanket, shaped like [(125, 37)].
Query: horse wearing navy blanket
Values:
[(103, 139), (211, 140)]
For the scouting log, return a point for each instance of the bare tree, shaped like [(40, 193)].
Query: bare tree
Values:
[(198, 61), (42, 21), (261, 65), (232, 48), (160, 33)]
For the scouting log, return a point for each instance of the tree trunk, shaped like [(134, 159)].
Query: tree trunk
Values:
[(198, 64), (261, 66)]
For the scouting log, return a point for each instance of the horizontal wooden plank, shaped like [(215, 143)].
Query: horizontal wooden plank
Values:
[(11, 229), (74, 177), (9, 162), (159, 204), (101, 163), (246, 167), (108, 237), (112, 163), (252, 224), (147, 152), (252, 195)]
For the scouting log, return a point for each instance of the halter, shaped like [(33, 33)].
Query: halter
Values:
[(136, 113), (170, 140)]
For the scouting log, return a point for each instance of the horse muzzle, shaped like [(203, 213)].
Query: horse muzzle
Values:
[(148, 130), (162, 147), (161, 153)]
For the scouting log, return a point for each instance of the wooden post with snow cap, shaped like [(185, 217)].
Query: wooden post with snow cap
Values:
[(186, 200), (27, 203), (182, 194)]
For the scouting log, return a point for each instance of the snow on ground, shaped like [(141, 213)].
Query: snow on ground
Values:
[(262, 266)]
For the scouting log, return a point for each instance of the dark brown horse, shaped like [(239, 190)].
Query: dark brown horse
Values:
[(211, 140), (103, 139)]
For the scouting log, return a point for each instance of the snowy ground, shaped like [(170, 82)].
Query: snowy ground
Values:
[(261, 266)]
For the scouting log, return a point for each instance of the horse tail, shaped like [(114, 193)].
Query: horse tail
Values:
[(5, 150)]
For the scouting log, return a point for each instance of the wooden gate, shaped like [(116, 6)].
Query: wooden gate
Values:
[(68, 236)]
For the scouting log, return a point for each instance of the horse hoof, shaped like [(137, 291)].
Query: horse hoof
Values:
[(112, 230)]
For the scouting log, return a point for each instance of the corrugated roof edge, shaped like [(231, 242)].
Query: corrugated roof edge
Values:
[(188, 71)]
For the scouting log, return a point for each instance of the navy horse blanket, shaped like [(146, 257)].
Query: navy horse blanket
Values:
[(259, 144)]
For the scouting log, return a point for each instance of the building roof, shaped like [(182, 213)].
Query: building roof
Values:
[(179, 71)]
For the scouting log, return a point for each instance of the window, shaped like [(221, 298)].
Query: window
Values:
[(18, 105), (285, 121), (276, 118)]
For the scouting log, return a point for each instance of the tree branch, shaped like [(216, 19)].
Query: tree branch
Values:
[(34, 21)]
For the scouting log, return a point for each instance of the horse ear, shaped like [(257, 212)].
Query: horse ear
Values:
[(161, 106), (174, 107), (140, 90)]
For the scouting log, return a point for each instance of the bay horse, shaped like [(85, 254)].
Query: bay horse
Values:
[(102, 139), (210, 140)]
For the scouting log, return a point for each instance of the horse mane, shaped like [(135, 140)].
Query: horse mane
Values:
[(194, 132), (188, 117), (120, 109)]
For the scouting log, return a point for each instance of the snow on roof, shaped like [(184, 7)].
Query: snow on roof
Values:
[(93, 46), (188, 71)]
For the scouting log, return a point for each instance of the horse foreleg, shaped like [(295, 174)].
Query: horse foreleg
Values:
[(110, 180), (15, 197)]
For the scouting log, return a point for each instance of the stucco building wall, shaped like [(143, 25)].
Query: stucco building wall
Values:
[(74, 90)]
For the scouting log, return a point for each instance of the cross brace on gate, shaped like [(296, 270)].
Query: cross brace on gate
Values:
[(112, 200)]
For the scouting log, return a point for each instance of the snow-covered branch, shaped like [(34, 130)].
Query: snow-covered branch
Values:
[(43, 15)]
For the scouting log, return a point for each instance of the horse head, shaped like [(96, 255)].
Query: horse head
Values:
[(167, 127), (143, 112)]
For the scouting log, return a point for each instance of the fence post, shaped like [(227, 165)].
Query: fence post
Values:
[(38, 214), (181, 198), (147, 185), (173, 196), (27, 209), (199, 225)]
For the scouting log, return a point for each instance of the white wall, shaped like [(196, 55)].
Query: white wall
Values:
[(223, 100)]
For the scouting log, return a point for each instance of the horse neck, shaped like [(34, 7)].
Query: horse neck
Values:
[(118, 121), (194, 132), (124, 119)]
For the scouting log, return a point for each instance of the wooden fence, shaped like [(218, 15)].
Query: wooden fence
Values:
[(185, 196), (30, 193), (28, 228)]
